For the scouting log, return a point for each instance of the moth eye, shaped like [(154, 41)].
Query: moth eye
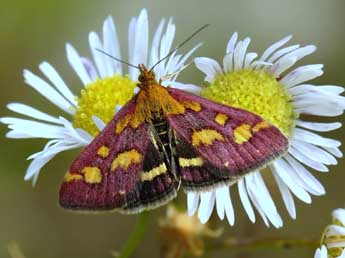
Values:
[(141, 78)]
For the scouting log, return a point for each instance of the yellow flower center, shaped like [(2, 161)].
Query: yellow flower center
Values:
[(100, 98), (255, 91)]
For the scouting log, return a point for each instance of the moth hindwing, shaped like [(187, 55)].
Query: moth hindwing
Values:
[(163, 137)]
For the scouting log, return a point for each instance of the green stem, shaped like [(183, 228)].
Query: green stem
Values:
[(136, 236)]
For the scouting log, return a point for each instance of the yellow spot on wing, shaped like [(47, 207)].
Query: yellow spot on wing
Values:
[(242, 133), (260, 126), (71, 177), (148, 176), (92, 175), (193, 105), (103, 151), (122, 124), (124, 159), (206, 137), (194, 162), (221, 118)]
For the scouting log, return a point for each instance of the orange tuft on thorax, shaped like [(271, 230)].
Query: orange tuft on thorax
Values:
[(153, 101)]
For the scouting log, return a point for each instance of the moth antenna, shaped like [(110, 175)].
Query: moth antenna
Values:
[(179, 46), (117, 59)]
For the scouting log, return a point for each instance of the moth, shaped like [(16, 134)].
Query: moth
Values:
[(163, 139)]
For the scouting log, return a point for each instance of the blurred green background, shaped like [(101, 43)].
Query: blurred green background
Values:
[(36, 30)]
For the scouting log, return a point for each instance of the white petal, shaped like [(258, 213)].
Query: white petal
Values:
[(310, 183), (228, 62), (35, 167), (232, 43), (221, 201), (321, 252), (302, 74), (251, 195), (249, 59), (240, 52), (154, 55), (182, 86), (334, 151), (47, 91), (98, 122), (335, 230), (37, 164), (99, 58), (73, 135), (286, 195), (311, 99), (206, 206), (281, 53), (192, 202), (320, 127), (58, 82), (306, 136), (165, 46), (77, 64), (32, 112), (131, 38), (111, 46), (314, 153), (282, 65), (229, 209), (181, 63), (139, 50), (33, 129), (302, 52), (339, 214), (245, 200), (274, 47), (307, 161), (90, 68), (259, 194), (208, 66), (326, 89), (325, 109), (284, 171)]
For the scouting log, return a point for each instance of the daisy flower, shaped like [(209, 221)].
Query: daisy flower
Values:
[(333, 239), (270, 87), (107, 86)]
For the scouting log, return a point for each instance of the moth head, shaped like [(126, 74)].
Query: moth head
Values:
[(146, 76)]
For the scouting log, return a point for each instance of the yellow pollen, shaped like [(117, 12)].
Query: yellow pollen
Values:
[(221, 119), (242, 133), (100, 98), (92, 175), (206, 137), (256, 91), (123, 160), (103, 151)]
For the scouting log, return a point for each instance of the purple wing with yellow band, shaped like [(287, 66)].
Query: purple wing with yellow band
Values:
[(121, 169), (217, 144)]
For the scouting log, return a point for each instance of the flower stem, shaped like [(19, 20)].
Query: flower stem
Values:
[(136, 236)]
